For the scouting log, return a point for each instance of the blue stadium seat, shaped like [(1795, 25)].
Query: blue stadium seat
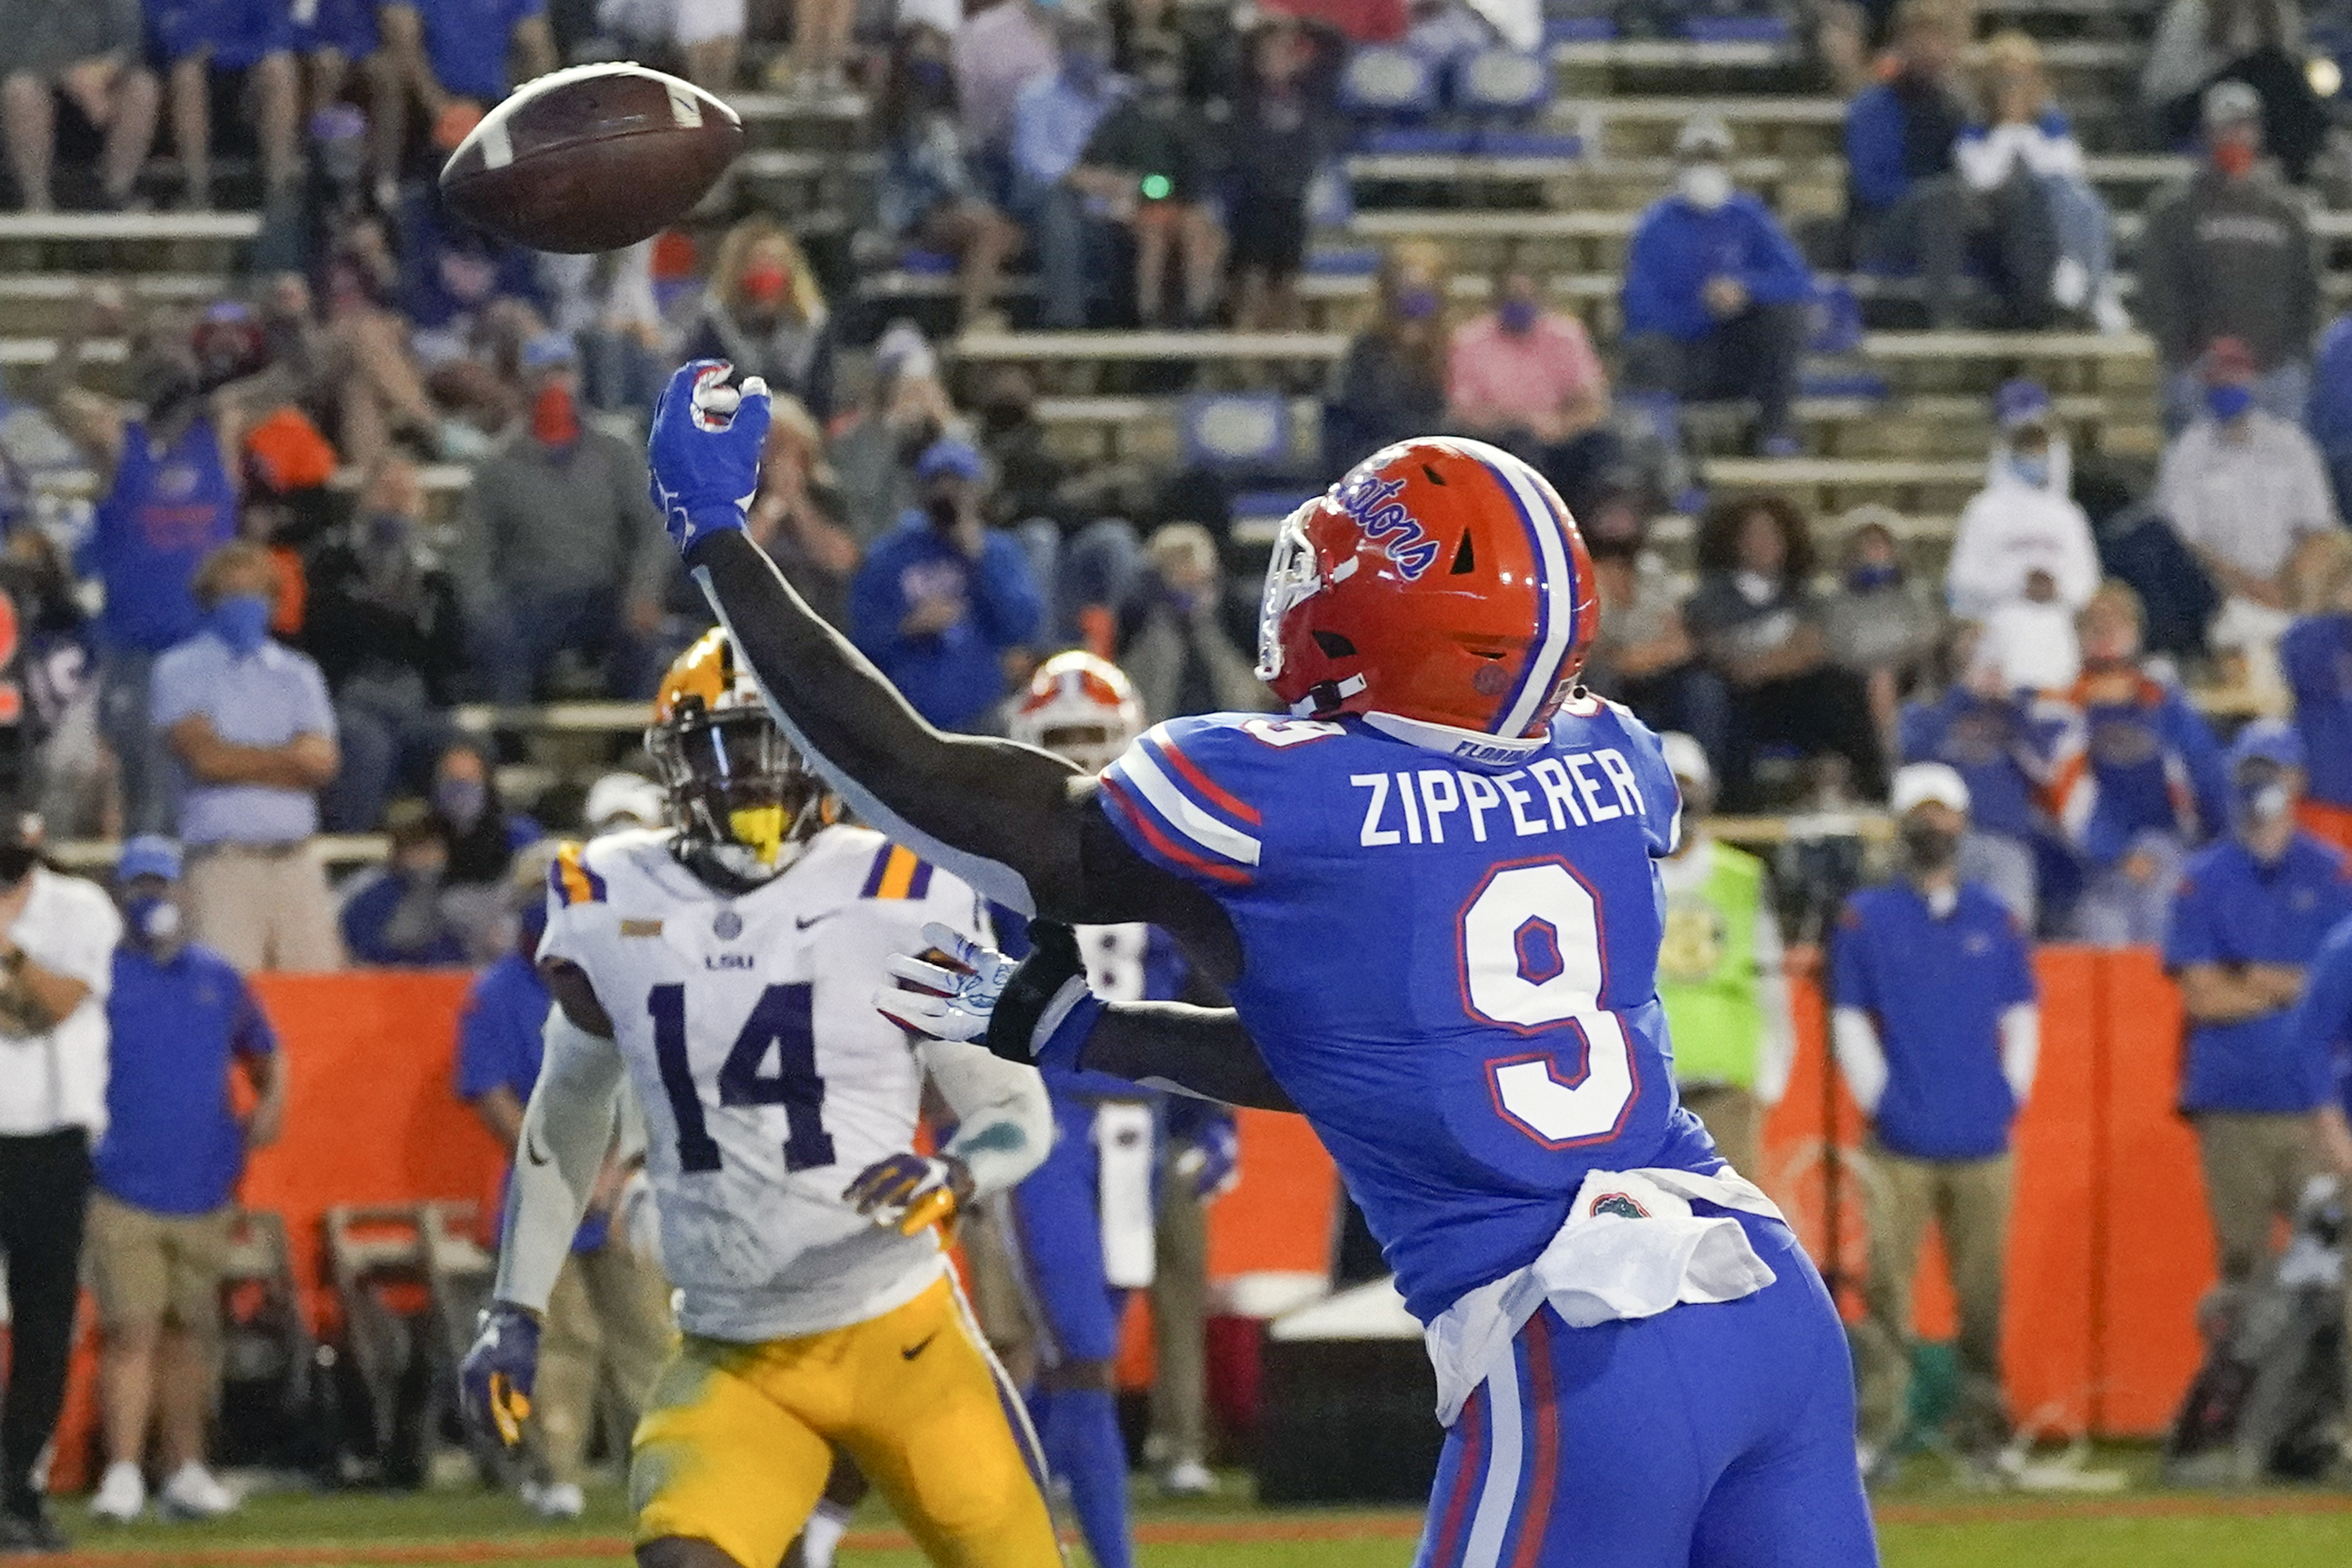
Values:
[(1559, 30), (1507, 143), (1269, 506), (1736, 30), (927, 263), (1236, 431), (1352, 261), (1835, 321), (1422, 140), (1502, 81), (1382, 82)]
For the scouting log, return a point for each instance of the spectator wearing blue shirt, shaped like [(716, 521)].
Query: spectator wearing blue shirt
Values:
[(2248, 920), (2315, 658), (609, 1313), (1979, 728), (251, 41), (397, 916), (183, 1024), (253, 733), (1938, 1030), (1909, 208), (1715, 292), (2322, 1031), (941, 600), (446, 52), (1065, 204)]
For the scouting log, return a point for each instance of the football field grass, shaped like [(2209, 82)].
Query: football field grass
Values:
[(1925, 1523)]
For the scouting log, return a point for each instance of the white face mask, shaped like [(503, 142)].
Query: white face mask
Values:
[(1706, 186)]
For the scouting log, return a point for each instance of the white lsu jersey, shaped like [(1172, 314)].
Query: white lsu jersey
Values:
[(769, 1080)]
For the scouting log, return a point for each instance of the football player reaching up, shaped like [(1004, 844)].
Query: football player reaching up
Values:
[(726, 965), (1431, 894)]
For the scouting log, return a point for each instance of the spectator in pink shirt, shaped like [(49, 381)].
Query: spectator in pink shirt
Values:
[(1528, 380)]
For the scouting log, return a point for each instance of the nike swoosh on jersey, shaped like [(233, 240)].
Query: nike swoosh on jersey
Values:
[(921, 1345), (803, 921)]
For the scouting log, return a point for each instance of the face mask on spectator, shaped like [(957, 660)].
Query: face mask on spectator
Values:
[(1871, 576), (388, 530), (2032, 468), (1706, 186), (1518, 316), (765, 285), (242, 620), (553, 418), (1928, 847), (461, 801), (2259, 796), (154, 923), (1416, 304), (2235, 157), (2227, 403)]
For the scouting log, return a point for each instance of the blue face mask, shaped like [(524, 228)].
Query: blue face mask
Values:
[(1871, 578), (2034, 471), (1417, 304), (242, 620), (1518, 316), (461, 800), (2226, 403)]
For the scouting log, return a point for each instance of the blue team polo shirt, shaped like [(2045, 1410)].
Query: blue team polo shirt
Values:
[(2321, 1025), (2232, 909), (466, 41), (172, 1144), (265, 698), (1936, 987), (2316, 656), (500, 1046)]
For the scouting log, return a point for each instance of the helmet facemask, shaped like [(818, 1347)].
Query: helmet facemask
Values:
[(1293, 576), (740, 797)]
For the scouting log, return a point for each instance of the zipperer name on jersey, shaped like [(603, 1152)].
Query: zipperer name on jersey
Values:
[(1573, 789)]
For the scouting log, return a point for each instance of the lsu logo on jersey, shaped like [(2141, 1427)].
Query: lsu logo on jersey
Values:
[(1372, 503)]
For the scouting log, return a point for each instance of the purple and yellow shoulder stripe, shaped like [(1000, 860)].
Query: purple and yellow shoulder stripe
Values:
[(571, 880), (897, 873)]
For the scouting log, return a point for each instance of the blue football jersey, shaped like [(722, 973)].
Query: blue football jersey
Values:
[(1450, 964)]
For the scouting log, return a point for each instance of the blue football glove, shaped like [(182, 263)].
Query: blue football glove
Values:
[(703, 451), (494, 1381), (1212, 1158)]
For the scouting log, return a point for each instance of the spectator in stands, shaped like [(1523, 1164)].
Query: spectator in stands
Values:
[(1878, 628), (2328, 416), (707, 33), (1644, 657), (1172, 640), (2257, 45), (445, 58), (608, 1320), (943, 604), (168, 472), (1716, 292), (1151, 161), (1527, 378), (816, 66), (559, 548), (1909, 208), (1391, 385), (396, 915), (929, 197), (1443, 34), (2028, 137), (336, 36), (1979, 727), (620, 801), (1033, 480), (1719, 975), (1285, 126), (1938, 1030), (2130, 770), (358, 380), (2315, 657), (605, 304), (252, 731), (251, 40), (485, 836), (2243, 488), (58, 936), (797, 516), (180, 1026), (1062, 201), (763, 312), (94, 56), (2227, 254), (999, 50), (904, 412), (2252, 912), (459, 290), (1759, 627), (387, 631), (2023, 562)]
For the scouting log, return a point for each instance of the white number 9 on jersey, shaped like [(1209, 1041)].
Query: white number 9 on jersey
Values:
[(1530, 962)]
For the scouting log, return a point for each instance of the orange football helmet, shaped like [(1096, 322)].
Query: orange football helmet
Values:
[(1440, 581)]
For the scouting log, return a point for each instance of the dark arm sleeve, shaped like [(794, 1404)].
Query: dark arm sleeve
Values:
[(1201, 1052)]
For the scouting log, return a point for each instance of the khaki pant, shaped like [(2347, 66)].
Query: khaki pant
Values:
[(1969, 1202), (2255, 1167), (147, 1268), (1179, 1324), (1734, 1120), (607, 1324), (263, 908), (996, 1288)]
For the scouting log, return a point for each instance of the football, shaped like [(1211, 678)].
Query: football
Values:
[(593, 158)]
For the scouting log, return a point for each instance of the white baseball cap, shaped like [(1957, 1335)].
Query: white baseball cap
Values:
[(624, 795), (1687, 759), (1917, 783)]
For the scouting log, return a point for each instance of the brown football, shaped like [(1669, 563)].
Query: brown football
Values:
[(590, 159)]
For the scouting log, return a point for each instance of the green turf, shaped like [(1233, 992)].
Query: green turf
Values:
[(1932, 1523)]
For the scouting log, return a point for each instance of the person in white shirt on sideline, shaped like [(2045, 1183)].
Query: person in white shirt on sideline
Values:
[(2023, 560), (57, 965)]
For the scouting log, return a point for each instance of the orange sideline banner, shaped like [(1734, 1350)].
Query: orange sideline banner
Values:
[(2110, 1250)]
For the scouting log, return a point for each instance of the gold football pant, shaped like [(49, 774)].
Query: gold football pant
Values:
[(737, 1439)]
